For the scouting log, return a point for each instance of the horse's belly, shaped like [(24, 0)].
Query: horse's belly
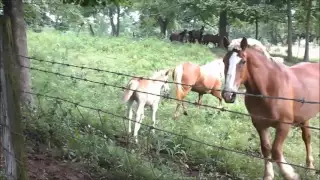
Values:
[(201, 89)]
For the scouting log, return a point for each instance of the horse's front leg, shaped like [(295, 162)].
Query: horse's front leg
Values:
[(277, 152), (199, 102), (306, 136), (266, 152)]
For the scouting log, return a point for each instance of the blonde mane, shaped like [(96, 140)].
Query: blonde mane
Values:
[(254, 43)]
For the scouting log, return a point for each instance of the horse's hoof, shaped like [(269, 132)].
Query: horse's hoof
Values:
[(268, 177), (295, 176), (185, 113)]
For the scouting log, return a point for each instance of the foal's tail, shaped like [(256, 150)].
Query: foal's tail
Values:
[(177, 77), (132, 85)]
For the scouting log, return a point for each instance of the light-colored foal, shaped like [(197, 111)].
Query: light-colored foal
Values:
[(143, 99)]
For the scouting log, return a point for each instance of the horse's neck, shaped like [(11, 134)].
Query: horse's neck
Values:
[(261, 75)]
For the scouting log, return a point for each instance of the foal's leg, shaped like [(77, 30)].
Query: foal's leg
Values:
[(130, 113), (266, 152), (277, 152), (306, 136), (139, 117), (154, 111)]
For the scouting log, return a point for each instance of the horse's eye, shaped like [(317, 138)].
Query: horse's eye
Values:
[(243, 61)]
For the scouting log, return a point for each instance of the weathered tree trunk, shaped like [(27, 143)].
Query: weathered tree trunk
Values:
[(11, 97), (222, 27), (257, 26), (163, 23), (118, 19), (91, 30), (14, 9), (113, 26), (289, 40), (308, 27)]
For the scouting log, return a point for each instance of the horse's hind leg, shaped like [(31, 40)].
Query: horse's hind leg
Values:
[(306, 136), (266, 152), (130, 114), (277, 152), (139, 118), (154, 111)]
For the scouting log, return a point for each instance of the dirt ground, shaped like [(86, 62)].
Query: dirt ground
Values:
[(43, 166)]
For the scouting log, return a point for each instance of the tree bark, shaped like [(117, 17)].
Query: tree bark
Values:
[(289, 40), (118, 19), (11, 74), (14, 9), (222, 27), (91, 30), (308, 26), (113, 26), (163, 23), (257, 26)]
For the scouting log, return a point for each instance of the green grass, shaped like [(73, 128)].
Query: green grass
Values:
[(98, 143)]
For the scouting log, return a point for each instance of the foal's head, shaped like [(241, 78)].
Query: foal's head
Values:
[(162, 76), (235, 69)]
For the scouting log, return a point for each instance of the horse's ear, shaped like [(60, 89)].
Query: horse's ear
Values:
[(168, 71), (244, 43), (225, 42)]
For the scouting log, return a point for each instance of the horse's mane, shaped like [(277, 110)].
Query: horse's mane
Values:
[(253, 43), (157, 74)]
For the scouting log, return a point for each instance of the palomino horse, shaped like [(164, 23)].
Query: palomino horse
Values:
[(151, 97), (201, 79), (262, 75)]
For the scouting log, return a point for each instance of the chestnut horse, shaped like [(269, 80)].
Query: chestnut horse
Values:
[(262, 75), (201, 79)]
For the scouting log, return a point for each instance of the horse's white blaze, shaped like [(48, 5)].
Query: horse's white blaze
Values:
[(231, 74)]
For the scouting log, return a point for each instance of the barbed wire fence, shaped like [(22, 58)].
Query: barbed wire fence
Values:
[(73, 116), (75, 106)]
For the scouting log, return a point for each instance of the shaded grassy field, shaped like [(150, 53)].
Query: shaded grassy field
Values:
[(94, 136)]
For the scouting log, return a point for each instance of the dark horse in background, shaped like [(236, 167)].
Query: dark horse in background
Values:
[(210, 38), (181, 37), (196, 35)]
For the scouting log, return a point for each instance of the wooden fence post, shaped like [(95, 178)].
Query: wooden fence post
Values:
[(12, 142)]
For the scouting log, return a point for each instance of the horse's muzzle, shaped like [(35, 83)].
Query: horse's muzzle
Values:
[(229, 97)]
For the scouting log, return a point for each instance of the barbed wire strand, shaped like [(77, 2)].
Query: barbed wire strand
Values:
[(167, 97), (171, 82), (166, 131)]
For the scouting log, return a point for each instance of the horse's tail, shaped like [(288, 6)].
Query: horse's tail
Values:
[(177, 77), (132, 85)]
